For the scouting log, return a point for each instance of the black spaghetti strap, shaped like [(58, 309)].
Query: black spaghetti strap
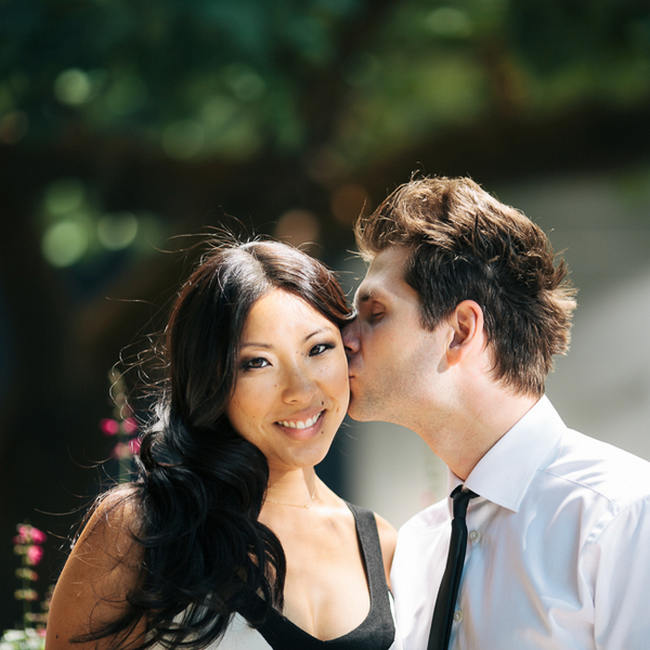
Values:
[(371, 549)]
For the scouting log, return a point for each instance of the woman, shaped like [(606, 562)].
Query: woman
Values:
[(228, 539)]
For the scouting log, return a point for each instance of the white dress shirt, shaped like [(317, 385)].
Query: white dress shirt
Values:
[(558, 552)]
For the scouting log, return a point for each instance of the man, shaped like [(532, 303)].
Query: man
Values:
[(459, 315)]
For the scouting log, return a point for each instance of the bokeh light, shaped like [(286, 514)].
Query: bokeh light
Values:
[(73, 87), (348, 201), (299, 228), (64, 243), (117, 231)]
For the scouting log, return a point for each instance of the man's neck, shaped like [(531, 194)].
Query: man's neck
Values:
[(474, 426)]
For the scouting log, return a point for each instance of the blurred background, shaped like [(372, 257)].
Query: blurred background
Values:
[(124, 124)]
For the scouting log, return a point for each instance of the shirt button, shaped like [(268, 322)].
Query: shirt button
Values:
[(458, 616), (474, 536)]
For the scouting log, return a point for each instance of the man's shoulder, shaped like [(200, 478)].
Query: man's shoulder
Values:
[(602, 477), (600, 469)]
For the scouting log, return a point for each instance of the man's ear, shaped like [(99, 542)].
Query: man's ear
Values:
[(466, 323)]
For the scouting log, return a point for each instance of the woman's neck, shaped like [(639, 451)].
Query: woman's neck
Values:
[(298, 487)]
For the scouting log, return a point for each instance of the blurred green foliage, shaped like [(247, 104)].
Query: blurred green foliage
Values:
[(221, 78), (335, 86), (195, 78)]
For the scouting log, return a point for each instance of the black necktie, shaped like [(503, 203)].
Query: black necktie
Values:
[(446, 601)]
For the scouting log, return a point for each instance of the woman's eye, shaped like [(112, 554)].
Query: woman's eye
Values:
[(257, 362), (319, 348), (376, 316)]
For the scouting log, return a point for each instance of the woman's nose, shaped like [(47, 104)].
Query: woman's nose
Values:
[(299, 386)]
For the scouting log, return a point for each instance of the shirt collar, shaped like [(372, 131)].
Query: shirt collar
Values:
[(504, 473)]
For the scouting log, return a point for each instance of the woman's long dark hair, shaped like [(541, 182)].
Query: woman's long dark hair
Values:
[(200, 485)]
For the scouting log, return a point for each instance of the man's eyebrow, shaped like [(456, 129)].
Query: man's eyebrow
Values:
[(360, 296), (365, 295)]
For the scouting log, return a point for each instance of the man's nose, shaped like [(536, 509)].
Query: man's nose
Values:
[(350, 335)]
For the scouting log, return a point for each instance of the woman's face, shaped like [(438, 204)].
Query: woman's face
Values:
[(291, 389)]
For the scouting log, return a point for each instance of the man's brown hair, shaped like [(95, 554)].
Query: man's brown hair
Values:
[(467, 245)]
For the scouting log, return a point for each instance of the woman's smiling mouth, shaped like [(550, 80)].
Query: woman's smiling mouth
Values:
[(302, 429)]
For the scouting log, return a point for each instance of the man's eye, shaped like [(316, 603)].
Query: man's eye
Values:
[(319, 348), (257, 362), (375, 316)]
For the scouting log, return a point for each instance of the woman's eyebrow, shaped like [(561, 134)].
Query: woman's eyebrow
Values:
[(269, 346), (320, 330)]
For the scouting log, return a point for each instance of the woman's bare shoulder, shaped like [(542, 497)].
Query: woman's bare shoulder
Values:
[(115, 515), (103, 566), (108, 538)]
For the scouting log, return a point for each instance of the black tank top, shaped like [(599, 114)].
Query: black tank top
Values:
[(375, 632)]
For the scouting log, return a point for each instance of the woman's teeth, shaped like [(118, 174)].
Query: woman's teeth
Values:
[(300, 424)]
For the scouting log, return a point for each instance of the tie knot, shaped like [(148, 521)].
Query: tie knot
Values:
[(461, 499)]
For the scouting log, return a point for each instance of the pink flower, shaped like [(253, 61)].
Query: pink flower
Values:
[(23, 534), (134, 446), (129, 425), (28, 534), (109, 426), (38, 536), (34, 555)]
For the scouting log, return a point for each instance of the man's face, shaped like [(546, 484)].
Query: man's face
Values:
[(392, 358)]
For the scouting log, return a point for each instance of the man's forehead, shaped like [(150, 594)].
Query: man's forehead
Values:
[(385, 276), (391, 258)]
